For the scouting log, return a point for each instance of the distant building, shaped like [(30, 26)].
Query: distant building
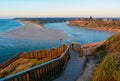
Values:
[(90, 18), (108, 19), (105, 19)]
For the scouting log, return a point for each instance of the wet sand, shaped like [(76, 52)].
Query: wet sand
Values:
[(32, 31)]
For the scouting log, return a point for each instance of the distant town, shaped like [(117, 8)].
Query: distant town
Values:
[(102, 19), (64, 19)]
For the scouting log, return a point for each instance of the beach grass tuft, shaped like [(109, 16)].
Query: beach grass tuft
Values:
[(109, 69), (108, 58)]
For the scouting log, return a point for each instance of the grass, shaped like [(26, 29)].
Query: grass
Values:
[(9, 70), (111, 45), (109, 69), (99, 57), (12, 68), (108, 58)]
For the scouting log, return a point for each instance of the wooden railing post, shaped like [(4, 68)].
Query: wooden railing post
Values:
[(57, 52), (32, 55), (39, 54), (81, 51), (53, 54), (27, 77), (72, 46), (50, 53), (45, 71)]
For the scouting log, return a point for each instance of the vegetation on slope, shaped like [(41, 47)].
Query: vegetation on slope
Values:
[(46, 20), (112, 45), (97, 24), (109, 69), (108, 55), (20, 65)]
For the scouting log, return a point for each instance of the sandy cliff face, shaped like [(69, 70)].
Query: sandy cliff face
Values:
[(97, 24)]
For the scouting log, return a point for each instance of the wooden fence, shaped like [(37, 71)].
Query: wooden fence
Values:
[(38, 55), (77, 47), (46, 71)]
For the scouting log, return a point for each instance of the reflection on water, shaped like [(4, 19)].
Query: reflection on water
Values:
[(80, 35), (9, 47)]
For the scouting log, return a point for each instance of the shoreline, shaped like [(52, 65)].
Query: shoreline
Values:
[(34, 31), (75, 23), (33, 23), (100, 29), (104, 29)]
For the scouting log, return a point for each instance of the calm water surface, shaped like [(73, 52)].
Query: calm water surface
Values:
[(80, 35), (10, 47)]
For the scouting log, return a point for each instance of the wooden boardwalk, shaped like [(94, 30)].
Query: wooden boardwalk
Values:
[(48, 70), (73, 68)]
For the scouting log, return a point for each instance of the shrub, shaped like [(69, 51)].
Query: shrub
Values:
[(30, 63), (109, 69), (9, 70), (108, 54), (111, 45), (98, 57)]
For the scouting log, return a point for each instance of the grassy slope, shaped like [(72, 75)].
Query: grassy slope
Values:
[(96, 24), (108, 55), (20, 65)]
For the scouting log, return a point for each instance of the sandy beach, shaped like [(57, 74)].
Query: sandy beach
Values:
[(32, 31)]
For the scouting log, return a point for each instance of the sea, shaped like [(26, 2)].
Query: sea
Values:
[(10, 47)]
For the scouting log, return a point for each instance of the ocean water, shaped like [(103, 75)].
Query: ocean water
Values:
[(8, 24), (80, 34), (9, 47)]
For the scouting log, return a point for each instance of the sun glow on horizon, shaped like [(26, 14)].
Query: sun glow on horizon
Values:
[(59, 8)]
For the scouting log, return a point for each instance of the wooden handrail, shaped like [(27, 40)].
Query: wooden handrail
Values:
[(46, 71), (42, 72), (38, 55)]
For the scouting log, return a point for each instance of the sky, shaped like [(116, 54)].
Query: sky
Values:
[(59, 8)]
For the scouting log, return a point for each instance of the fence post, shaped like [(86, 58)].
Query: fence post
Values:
[(60, 50), (35, 54), (32, 55), (53, 54), (27, 77), (72, 46), (45, 53), (40, 54), (64, 47), (28, 55), (81, 51), (45, 71), (57, 52), (48, 54)]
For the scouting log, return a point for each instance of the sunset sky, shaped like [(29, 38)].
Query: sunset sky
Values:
[(59, 8)]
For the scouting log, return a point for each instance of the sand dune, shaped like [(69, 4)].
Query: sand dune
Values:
[(31, 31)]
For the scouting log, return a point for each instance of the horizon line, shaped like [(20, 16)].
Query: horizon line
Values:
[(64, 17)]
